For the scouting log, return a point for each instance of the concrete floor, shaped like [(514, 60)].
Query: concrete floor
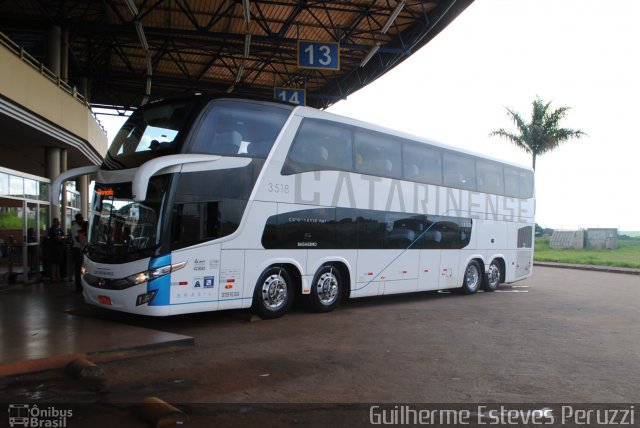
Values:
[(561, 336), (40, 328)]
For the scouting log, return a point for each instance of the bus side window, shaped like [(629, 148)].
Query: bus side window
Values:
[(444, 234), (319, 145), (511, 185), (308, 154), (422, 163), (525, 182), (378, 154), (459, 171), (371, 229), (238, 128), (403, 230), (490, 177)]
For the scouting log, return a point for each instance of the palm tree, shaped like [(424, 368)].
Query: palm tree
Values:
[(543, 133)]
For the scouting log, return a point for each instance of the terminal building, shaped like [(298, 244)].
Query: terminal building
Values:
[(47, 127)]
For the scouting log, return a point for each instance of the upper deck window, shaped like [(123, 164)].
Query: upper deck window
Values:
[(239, 128), (422, 163), (326, 145), (518, 182), (320, 145), (377, 154), (459, 171), (490, 177)]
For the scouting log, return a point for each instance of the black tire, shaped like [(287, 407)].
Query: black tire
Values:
[(492, 279), (472, 279), (326, 289), (273, 294)]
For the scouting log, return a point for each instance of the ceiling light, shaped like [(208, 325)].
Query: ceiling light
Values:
[(393, 17), (240, 71), (141, 36), (247, 44), (132, 7), (246, 11), (371, 53)]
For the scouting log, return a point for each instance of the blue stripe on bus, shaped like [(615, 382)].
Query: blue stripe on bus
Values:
[(162, 284)]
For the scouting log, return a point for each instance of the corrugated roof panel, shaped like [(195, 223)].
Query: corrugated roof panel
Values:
[(201, 43)]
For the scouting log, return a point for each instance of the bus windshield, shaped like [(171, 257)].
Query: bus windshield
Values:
[(149, 132), (121, 229)]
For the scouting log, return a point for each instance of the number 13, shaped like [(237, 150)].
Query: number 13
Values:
[(325, 52)]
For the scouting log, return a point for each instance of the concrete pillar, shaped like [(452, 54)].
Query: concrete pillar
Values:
[(52, 162), (83, 187), (84, 88), (53, 50), (64, 56), (52, 170), (63, 203)]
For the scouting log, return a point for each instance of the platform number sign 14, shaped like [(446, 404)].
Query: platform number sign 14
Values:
[(289, 95), (319, 55)]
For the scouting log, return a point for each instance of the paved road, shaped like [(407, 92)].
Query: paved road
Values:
[(560, 336)]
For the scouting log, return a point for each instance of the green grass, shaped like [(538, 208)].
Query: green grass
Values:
[(626, 255)]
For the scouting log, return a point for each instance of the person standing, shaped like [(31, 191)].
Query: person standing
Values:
[(11, 247), (56, 249), (76, 249)]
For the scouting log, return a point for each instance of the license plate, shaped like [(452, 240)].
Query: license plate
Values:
[(105, 300)]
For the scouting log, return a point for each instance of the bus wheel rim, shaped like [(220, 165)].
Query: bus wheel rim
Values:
[(327, 288), (494, 275), (274, 292), (472, 277)]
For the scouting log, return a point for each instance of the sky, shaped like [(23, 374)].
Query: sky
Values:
[(503, 53)]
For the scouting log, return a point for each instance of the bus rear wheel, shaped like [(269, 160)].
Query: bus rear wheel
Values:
[(273, 295), (472, 278), (493, 277), (326, 289)]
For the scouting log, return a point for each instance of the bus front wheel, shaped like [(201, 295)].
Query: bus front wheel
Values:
[(472, 278), (273, 295), (326, 289)]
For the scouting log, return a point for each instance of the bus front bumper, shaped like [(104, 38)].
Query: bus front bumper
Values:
[(127, 300)]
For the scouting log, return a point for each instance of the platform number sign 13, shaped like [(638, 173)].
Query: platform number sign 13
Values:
[(289, 95), (319, 55)]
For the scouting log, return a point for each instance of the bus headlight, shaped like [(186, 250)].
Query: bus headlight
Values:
[(152, 274)]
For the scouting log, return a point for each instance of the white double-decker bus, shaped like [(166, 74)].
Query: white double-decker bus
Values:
[(206, 204)]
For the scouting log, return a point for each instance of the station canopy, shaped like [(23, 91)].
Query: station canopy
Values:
[(135, 51)]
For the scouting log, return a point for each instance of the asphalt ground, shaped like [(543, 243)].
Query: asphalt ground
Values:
[(561, 336)]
